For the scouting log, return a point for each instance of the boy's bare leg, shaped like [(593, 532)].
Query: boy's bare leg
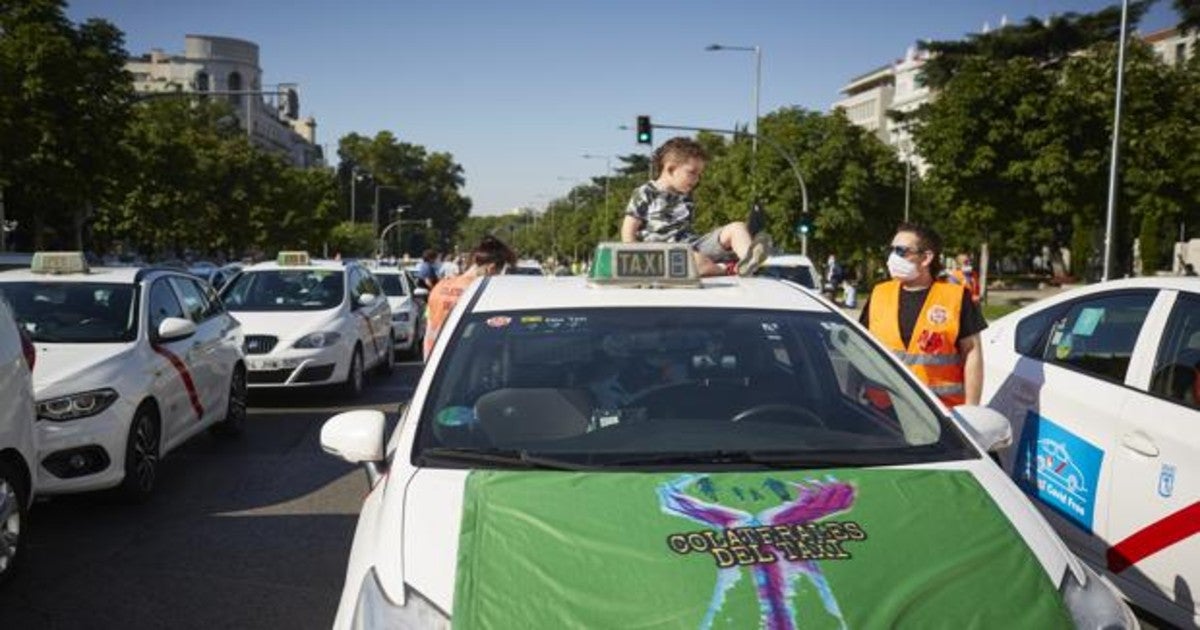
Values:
[(736, 236), (706, 266)]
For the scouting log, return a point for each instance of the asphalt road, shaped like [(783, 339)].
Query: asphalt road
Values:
[(248, 533)]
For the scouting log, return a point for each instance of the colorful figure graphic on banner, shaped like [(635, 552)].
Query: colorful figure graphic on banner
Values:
[(774, 581)]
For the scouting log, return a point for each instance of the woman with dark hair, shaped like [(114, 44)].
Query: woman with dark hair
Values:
[(933, 326), (489, 258)]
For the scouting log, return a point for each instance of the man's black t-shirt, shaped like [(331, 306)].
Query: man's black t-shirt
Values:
[(970, 321)]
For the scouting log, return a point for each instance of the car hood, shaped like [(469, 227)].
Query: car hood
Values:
[(286, 324), (857, 548), (64, 368)]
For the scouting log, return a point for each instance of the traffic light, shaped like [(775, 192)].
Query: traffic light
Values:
[(804, 227), (644, 130)]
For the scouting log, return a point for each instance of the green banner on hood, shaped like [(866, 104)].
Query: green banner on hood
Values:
[(852, 548)]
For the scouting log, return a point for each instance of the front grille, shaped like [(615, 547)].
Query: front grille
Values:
[(260, 344)]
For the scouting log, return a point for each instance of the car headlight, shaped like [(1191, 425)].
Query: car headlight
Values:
[(76, 406), (374, 610), (317, 340), (1095, 603), (401, 316)]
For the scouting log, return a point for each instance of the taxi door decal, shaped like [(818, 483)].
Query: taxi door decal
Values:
[(186, 376), (1154, 538)]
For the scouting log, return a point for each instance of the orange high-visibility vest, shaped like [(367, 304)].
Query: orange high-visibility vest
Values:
[(932, 353)]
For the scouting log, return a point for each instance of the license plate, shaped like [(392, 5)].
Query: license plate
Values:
[(259, 365)]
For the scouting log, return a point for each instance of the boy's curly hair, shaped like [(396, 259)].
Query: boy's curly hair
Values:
[(678, 149)]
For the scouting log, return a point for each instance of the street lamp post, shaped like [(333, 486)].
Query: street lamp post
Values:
[(1111, 219), (757, 91), (375, 217), (355, 177), (394, 224), (607, 169)]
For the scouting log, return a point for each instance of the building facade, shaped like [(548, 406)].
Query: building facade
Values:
[(225, 64)]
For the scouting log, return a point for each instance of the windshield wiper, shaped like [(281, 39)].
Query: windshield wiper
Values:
[(504, 457), (769, 459)]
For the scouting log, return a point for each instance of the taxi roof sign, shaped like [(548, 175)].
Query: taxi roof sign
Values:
[(645, 265), (293, 259), (58, 262)]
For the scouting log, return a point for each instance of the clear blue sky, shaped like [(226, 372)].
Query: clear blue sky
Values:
[(517, 91)]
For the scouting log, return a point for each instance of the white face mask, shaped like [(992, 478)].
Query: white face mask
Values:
[(902, 268)]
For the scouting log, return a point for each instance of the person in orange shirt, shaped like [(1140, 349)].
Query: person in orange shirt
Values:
[(490, 258), (933, 326), (964, 274)]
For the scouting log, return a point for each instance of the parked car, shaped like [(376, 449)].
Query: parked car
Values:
[(311, 322), (18, 448), (1102, 386), (608, 452), (408, 314), (131, 363), (794, 267)]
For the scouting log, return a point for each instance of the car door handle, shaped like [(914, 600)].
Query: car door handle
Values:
[(1139, 443)]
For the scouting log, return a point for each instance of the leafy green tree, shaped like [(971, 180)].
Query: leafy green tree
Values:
[(352, 240), (64, 102)]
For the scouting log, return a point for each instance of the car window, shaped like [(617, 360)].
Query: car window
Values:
[(799, 274), (1177, 367), (285, 290), (1097, 335), (74, 312), (369, 284), (621, 386), (163, 304), (393, 284), (1032, 331), (195, 302)]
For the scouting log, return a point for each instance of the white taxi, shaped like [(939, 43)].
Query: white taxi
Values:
[(408, 313), (18, 454), (130, 364), (311, 322), (1102, 386), (609, 452)]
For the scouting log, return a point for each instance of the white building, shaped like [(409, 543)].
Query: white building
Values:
[(1171, 46), (219, 64)]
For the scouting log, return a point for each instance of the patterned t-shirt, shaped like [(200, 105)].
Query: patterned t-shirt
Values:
[(665, 216)]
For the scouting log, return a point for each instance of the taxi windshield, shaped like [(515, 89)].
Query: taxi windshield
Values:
[(74, 312), (391, 283), (286, 290), (674, 387)]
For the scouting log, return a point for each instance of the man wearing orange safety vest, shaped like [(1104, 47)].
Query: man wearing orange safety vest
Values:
[(964, 274), (932, 326)]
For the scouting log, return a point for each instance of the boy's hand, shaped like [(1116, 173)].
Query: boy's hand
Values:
[(629, 229)]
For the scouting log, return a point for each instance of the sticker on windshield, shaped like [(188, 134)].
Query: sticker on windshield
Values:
[(1058, 468), (1088, 319), (499, 321)]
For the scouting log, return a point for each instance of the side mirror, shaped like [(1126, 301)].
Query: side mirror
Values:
[(366, 299), (357, 437), (175, 328), (989, 427)]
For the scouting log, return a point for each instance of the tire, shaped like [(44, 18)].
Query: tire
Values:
[(352, 387), (14, 519), (234, 423), (141, 457)]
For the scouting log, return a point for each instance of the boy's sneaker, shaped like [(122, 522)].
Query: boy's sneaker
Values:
[(755, 257)]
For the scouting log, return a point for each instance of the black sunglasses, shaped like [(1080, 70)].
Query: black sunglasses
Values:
[(901, 250)]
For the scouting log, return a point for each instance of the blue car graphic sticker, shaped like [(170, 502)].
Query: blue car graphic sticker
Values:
[(1058, 468)]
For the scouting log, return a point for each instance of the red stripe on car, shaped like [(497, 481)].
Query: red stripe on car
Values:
[(1154, 538), (181, 368)]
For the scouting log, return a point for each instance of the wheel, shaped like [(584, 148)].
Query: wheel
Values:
[(235, 414), (353, 385), (141, 457), (776, 411), (13, 519)]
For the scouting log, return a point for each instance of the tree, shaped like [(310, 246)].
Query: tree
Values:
[(64, 103)]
